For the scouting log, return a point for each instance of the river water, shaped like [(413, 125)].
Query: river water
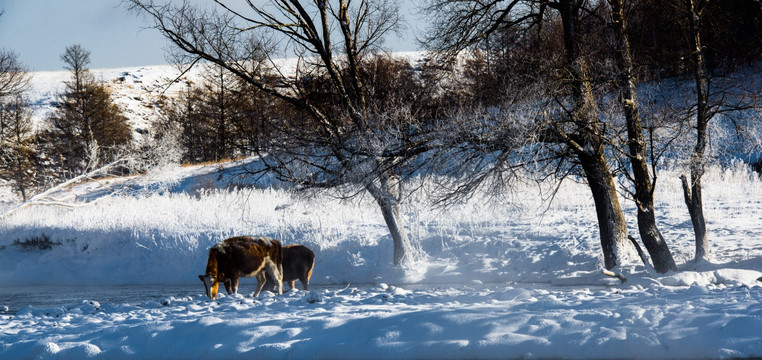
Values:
[(15, 297)]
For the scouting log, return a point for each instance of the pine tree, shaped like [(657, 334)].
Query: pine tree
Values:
[(17, 153), (85, 117)]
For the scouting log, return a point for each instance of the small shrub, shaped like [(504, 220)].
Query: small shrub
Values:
[(36, 243)]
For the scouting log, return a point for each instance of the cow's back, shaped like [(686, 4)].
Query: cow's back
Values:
[(248, 255)]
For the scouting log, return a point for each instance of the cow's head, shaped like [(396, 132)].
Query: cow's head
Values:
[(210, 285)]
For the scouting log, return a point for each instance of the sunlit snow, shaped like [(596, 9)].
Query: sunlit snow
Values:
[(498, 280)]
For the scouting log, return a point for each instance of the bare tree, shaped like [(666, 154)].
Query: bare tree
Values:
[(693, 191), (14, 77), (339, 140), (204, 114), (641, 175), (714, 96), (76, 59), (15, 124), (183, 121), (575, 125)]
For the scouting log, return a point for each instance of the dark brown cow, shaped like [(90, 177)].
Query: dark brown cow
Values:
[(298, 262), (242, 256)]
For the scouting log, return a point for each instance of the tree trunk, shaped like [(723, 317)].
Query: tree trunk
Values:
[(386, 195), (692, 195), (644, 187), (692, 190), (587, 143), (402, 247), (611, 222)]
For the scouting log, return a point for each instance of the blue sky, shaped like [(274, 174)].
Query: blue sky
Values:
[(40, 30)]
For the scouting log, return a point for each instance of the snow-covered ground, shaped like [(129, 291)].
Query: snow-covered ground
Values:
[(498, 281), (515, 278), (387, 322)]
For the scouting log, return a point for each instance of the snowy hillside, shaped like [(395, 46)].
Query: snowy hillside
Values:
[(134, 90), (498, 280)]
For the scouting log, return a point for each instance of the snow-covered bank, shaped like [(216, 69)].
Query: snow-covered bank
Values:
[(159, 228), (497, 282)]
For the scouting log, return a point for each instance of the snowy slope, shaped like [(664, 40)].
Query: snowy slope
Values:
[(135, 90)]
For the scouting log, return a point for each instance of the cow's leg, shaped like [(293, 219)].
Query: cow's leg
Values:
[(270, 285), (305, 278), (276, 273), (235, 285), (291, 284), (261, 280), (227, 287), (305, 283), (215, 288), (279, 268)]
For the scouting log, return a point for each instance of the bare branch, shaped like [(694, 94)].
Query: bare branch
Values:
[(14, 77)]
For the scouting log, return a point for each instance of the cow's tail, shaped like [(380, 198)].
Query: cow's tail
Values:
[(312, 265), (279, 258)]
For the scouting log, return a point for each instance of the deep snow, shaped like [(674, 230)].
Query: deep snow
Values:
[(498, 281), (514, 278), (500, 321)]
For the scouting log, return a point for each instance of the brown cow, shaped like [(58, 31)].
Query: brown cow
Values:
[(242, 256), (298, 262)]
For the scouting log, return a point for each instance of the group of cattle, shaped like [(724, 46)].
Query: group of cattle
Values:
[(262, 257)]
